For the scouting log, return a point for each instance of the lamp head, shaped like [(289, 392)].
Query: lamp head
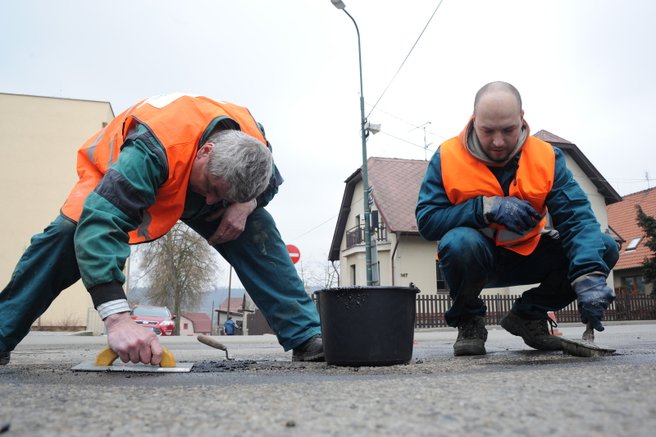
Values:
[(339, 4), (374, 128)]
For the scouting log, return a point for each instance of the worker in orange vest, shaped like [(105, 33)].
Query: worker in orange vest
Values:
[(506, 211), (167, 158)]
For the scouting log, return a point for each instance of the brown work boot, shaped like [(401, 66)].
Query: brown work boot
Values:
[(535, 333), (471, 337)]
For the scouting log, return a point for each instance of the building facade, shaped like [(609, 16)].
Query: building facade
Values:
[(39, 138)]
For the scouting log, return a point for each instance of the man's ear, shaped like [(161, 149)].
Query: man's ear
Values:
[(204, 150)]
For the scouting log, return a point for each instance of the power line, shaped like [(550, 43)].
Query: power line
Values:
[(414, 125), (401, 139), (315, 227), (406, 57)]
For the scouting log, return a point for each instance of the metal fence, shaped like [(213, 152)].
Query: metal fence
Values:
[(431, 308)]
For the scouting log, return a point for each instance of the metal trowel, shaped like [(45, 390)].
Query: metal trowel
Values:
[(213, 343), (585, 347), (105, 359)]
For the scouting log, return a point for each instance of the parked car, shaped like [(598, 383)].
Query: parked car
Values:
[(157, 319)]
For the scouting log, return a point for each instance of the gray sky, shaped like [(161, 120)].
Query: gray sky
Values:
[(585, 69)]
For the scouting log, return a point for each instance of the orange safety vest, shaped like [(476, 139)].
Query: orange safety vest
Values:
[(465, 177), (180, 122)]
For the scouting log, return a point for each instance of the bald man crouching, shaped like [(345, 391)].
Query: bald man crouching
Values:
[(505, 211)]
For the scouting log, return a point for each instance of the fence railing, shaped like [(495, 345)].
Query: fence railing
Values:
[(431, 308)]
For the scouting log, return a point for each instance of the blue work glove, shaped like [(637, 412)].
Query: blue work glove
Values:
[(594, 297), (515, 214)]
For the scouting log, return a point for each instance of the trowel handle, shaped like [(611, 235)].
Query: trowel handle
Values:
[(211, 342), (107, 356)]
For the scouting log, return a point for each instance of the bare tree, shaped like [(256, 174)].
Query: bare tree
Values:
[(320, 274), (179, 268)]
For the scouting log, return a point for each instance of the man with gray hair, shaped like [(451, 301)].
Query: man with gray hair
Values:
[(167, 158)]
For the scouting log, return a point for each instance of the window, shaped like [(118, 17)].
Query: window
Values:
[(634, 284), (353, 281), (633, 244)]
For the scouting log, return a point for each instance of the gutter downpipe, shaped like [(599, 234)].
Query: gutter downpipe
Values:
[(396, 245)]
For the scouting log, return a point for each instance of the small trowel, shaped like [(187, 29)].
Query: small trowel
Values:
[(105, 359), (213, 343), (585, 347)]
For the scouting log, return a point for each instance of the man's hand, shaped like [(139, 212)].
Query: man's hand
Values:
[(233, 222), (132, 342), (594, 297), (515, 214)]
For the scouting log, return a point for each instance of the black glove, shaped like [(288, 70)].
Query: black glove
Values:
[(515, 214), (594, 297)]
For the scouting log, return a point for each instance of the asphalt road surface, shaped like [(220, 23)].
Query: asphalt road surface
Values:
[(513, 390)]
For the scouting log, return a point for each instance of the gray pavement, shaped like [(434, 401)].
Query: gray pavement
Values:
[(513, 390)]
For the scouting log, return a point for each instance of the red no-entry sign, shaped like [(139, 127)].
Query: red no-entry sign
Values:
[(294, 253)]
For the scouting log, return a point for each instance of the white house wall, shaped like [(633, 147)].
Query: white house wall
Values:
[(415, 262), (596, 199), (354, 256)]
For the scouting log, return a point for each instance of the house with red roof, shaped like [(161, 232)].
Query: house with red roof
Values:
[(622, 217), (195, 323), (402, 256)]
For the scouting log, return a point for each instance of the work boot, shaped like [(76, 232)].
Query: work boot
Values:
[(471, 337), (535, 333), (311, 350), (4, 358)]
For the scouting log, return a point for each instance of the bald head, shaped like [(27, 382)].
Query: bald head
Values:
[(495, 88), (498, 120)]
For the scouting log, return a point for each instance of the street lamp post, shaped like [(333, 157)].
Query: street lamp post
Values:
[(363, 135)]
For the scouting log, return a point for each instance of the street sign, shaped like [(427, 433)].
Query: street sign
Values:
[(294, 253)]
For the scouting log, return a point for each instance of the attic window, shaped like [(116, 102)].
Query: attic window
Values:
[(633, 244)]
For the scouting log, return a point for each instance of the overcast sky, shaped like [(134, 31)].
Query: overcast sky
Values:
[(585, 69)]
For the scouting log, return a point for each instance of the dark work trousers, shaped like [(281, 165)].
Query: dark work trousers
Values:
[(469, 262)]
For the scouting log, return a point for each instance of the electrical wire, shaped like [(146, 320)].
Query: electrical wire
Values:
[(406, 58), (315, 227), (402, 140), (428, 131)]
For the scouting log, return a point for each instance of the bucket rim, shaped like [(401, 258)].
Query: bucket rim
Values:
[(374, 288)]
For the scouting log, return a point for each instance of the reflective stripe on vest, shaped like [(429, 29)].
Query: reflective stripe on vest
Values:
[(181, 123), (465, 177)]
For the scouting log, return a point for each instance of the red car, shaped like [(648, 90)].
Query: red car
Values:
[(157, 319)]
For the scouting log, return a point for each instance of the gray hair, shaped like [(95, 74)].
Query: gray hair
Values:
[(494, 86), (243, 161)]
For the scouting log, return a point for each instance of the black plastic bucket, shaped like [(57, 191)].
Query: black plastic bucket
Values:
[(367, 326)]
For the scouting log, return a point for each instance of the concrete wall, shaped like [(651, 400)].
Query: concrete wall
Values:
[(39, 137)]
